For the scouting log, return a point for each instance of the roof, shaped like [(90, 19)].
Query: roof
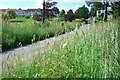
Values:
[(3, 10), (28, 10)]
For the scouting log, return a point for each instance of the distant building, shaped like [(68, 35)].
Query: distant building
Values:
[(30, 12), (2, 10), (102, 11)]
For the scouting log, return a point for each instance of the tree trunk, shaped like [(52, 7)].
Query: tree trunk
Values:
[(43, 11), (105, 13)]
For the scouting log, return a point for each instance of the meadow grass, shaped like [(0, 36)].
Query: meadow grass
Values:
[(88, 53), (0, 32), (20, 31)]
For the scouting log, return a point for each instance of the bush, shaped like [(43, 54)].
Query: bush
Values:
[(69, 17), (22, 32), (57, 19), (27, 17), (77, 20)]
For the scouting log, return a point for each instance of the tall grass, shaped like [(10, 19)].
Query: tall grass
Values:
[(21, 31), (89, 53), (0, 32)]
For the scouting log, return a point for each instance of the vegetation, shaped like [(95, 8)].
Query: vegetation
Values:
[(46, 5), (0, 32), (21, 31), (82, 12), (56, 10), (9, 14), (89, 53), (61, 14), (69, 16), (116, 9), (27, 17)]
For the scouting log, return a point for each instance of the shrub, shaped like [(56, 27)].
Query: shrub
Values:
[(78, 20), (57, 19), (69, 16), (27, 17), (22, 32)]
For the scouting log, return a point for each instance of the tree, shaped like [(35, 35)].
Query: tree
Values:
[(82, 12), (94, 7), (56, 10), (9, 14), (116, 9), (93, 12), (70, 12), (69, 16), (105, 5), (62, 13), (46, 5)]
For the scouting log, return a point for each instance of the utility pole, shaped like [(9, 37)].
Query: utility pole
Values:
[(43, 11)]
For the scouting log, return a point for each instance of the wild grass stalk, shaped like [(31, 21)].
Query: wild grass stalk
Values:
[(89, 53)]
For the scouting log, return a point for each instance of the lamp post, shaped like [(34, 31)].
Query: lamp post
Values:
[(43, 11)]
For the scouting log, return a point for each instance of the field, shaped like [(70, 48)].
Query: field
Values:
[(89, 53), (21, 31), (0, 33)]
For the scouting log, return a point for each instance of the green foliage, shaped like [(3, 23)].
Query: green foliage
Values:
[(21, 30), (56, 10), (50, 3), (47, 4), (27, 17), (9, 14), (101, 16), (88, 53), (57, 19), (116, 8), (93, 11), (69, 16), (0, 32), (98, 5), (79, 20), (62, 13), (82, 12), (94, 7)]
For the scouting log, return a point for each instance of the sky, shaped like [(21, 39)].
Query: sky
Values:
[(25, 4)]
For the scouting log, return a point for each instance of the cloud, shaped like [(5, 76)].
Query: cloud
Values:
[(39, 3)]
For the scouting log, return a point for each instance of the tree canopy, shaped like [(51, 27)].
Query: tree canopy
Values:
[(49, 4), (69, 16), (116, 8), (46, 5), (56, 10), (9, 14), (62, 13), (82, 12)]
